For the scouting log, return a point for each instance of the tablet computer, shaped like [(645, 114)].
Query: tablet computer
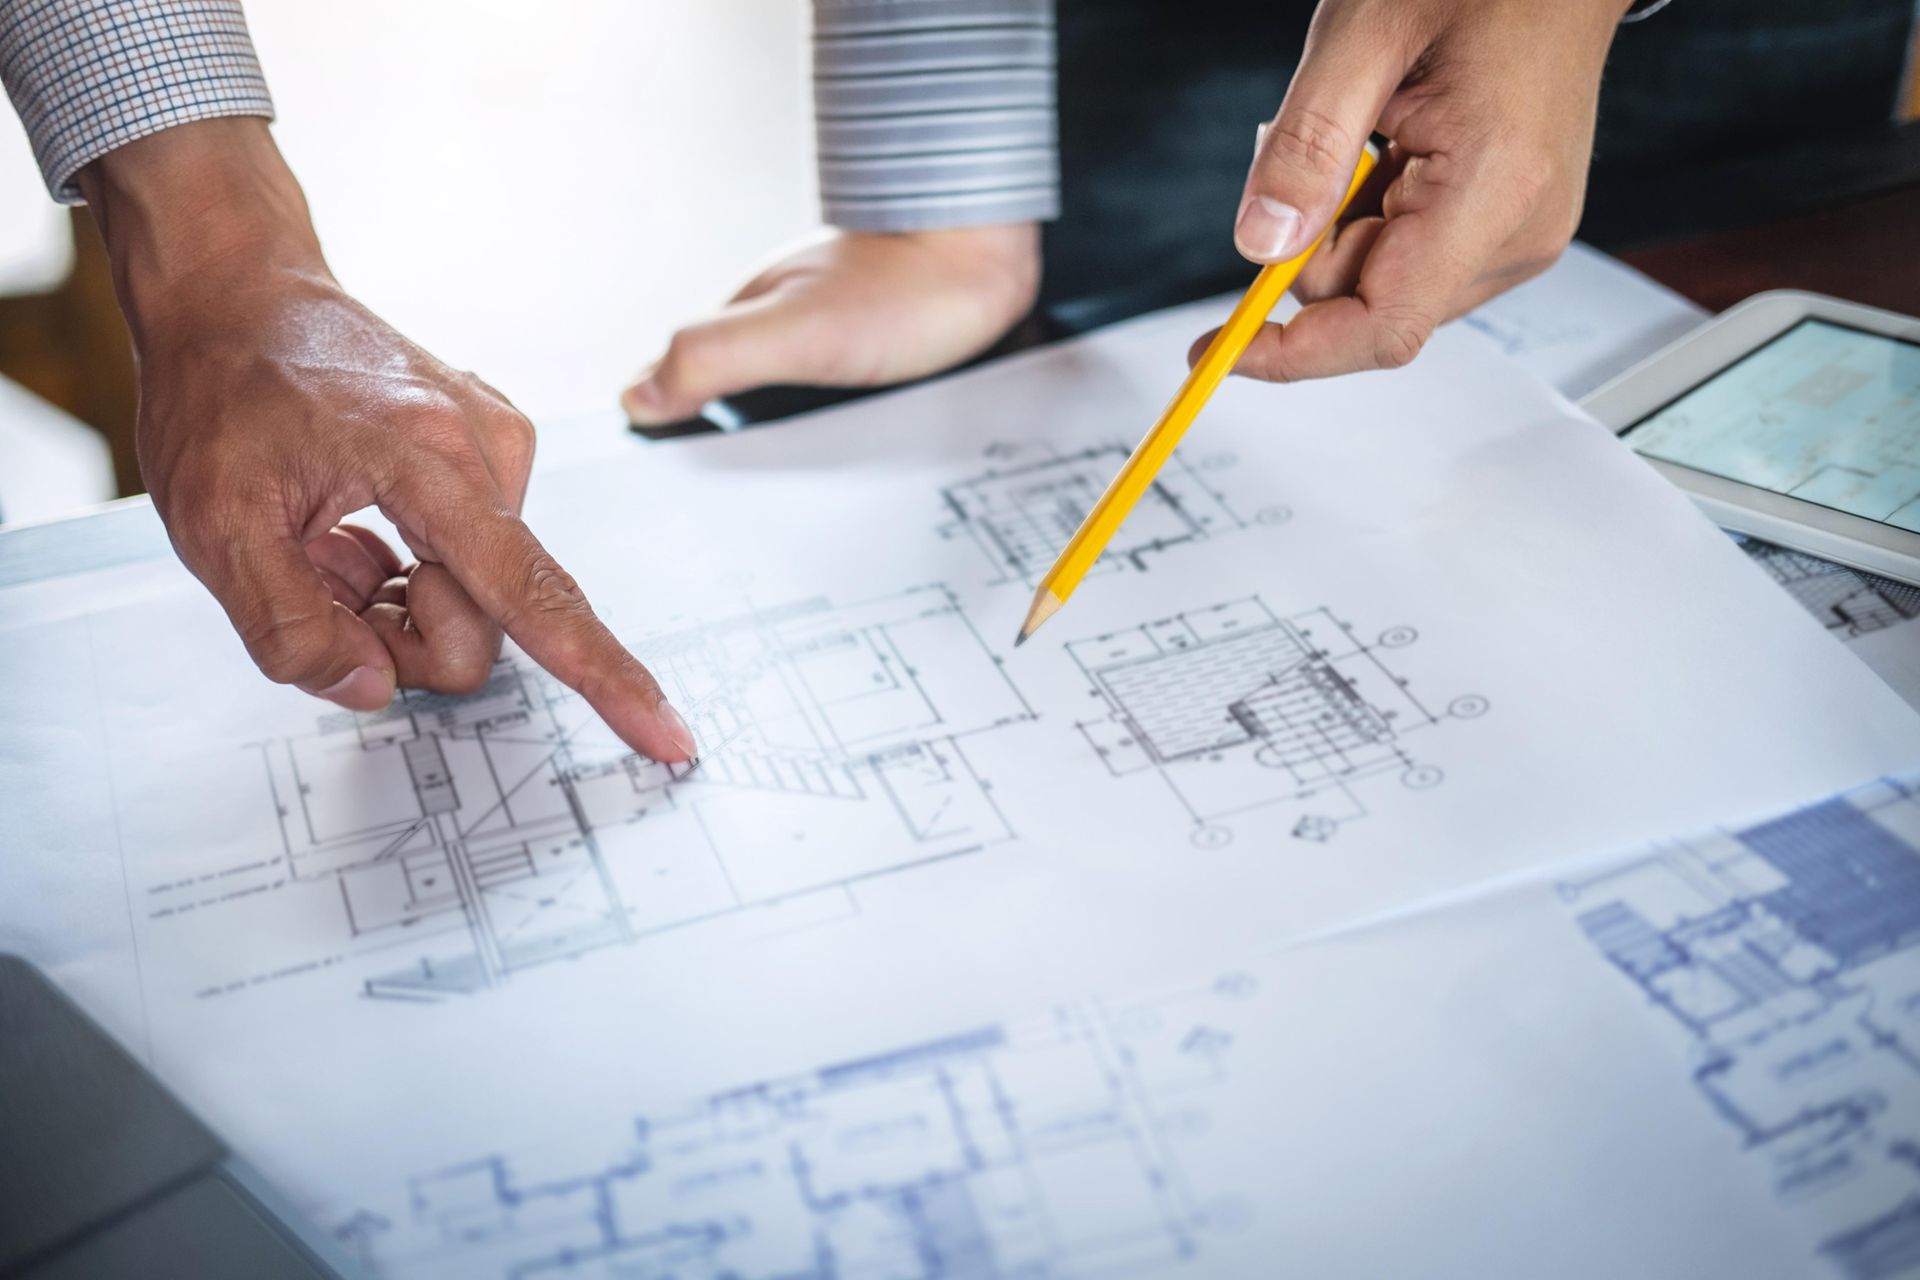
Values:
[(1792, 417)]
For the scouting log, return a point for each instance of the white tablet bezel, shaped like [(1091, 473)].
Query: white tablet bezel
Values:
[(1667, 375)]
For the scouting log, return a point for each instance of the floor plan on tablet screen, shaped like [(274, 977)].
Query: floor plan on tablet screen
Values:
[(1823, 412)]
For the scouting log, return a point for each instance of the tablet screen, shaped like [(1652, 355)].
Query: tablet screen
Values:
[(1825, 413)]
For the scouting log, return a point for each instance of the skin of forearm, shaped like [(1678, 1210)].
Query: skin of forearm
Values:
[(195, 212)]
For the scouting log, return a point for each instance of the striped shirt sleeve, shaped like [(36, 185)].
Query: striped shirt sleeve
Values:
[(935, 113), (87, 76)]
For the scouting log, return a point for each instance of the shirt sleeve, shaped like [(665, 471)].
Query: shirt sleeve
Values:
[(935, 113), (87, 76)]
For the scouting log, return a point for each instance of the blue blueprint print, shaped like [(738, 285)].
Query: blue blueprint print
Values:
[(1045, 1148), (1788, 955), (460, 841)]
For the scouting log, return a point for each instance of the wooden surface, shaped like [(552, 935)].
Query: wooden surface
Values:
[(69, 347), (1866, 251)]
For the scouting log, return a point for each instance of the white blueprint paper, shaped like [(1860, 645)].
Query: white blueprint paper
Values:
[(1590, 317), (1583, 320), (1894, 653), (1684, 1062), (1368, 641)]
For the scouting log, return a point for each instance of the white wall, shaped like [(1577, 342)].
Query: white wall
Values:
[(537, 193), (541, 193), (538, 198)]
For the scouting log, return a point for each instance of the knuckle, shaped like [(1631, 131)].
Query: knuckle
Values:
[(548, 593), (1540, 258), (519, 434), (445, 437), (691, 354), (465, 671), (487, 390), (286, 648), (441, 430), (1522, 262), (513, 439), (1309, 139), (1398, 336), (1534, 183), (1568, 228), (552, 589)]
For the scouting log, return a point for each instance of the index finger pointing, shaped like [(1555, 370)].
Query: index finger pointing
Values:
[(504, 568)]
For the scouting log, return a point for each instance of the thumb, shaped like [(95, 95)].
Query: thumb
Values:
[(749, 344), (1306, 156), (294, 630)]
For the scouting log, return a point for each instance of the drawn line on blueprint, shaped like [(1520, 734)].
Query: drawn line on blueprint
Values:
[(720, 863), (1021, 510), (1788, 954), (1845, 600), (833, 757), (1238, 709), (1047, 1146)]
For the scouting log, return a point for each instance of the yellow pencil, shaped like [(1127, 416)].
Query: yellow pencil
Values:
[(1107, 515)]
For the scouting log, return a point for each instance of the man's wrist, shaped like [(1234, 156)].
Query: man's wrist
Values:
[(197, 211)]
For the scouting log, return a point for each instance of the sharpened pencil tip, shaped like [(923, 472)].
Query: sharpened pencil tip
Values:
[(1045, 605)]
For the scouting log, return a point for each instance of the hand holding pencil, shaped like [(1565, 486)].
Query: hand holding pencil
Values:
[(1222, 352)]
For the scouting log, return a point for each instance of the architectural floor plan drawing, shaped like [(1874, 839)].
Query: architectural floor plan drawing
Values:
[(1846, 601), (1042, 1148), (1787, 955), (1239, 709), (1823, 412), (477, 836), (1025, 507)]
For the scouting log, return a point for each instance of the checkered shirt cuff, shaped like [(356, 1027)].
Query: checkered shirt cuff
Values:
[(87, 76)]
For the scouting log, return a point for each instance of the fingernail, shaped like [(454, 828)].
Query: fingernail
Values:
[(642, 403), (677, 731), (1266, 229), (364, 689)]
